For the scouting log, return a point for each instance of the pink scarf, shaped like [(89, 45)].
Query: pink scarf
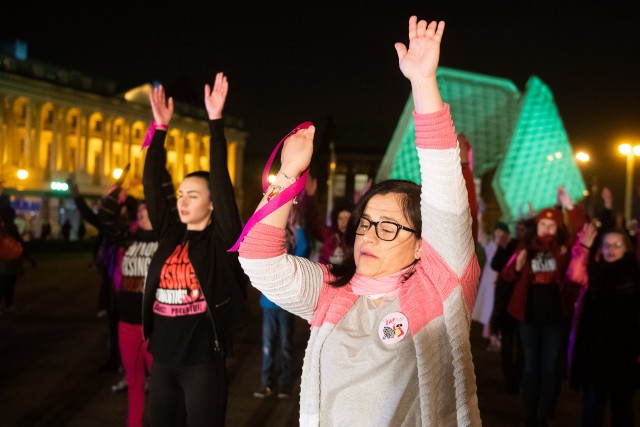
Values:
[(374, 288)]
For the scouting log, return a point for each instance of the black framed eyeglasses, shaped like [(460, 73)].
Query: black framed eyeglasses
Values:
[(385, 230)]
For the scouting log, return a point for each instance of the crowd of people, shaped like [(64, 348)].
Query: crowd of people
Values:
[(566, 307), (389, 296)]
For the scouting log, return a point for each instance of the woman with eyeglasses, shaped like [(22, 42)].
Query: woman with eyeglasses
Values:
[(604, 357), (389, 342)]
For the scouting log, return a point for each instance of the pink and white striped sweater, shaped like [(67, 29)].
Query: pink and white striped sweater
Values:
[(437, 299)]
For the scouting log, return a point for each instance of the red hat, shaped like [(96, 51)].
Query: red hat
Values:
[(552, 214)]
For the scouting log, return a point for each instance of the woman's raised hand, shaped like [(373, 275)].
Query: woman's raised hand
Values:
[(161, 107), (420, 60), (297, 152), (215, 97), (589, 233)]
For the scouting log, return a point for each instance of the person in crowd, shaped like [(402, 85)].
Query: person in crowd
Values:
[(501, 322), (466, 161), (397, 310), (278, 324), (108, 261), (195, 290), (66, 229), (137, 241), (538, 270), (332, 238), (10, 269), (605, 355), (486, 290), (5, 201)]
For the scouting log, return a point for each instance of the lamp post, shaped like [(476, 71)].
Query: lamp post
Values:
[(584, 159), (629, 151)]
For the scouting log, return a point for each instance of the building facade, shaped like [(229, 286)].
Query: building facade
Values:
[(55, 123)]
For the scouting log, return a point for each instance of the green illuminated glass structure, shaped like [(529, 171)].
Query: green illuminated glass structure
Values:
[(520, 135)]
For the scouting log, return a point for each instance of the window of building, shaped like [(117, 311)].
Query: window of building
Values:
[(98, 125), (72, 158), (359, 184), (339, 184), (137, 167), (359, 181)]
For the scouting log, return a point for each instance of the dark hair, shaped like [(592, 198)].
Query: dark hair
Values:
[(410, 204), (200, 174), (131, 205), (341, 206)]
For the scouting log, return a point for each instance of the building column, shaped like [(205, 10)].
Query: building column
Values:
[(83, 141)]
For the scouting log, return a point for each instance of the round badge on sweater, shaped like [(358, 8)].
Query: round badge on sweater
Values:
[(393, 328)]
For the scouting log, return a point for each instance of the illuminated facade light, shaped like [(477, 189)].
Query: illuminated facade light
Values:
[(22, 174), (624, 149), (59, 186), (117, 173)]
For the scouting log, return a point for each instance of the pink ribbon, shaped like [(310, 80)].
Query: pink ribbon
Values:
[(150, 132), (281, 198)]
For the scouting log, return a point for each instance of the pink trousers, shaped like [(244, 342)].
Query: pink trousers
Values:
[(136, 361)]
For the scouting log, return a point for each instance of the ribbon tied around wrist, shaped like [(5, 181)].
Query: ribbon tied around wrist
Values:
[(281, 198)]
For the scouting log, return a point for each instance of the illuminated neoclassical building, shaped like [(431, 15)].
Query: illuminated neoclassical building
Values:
[(56, 122)]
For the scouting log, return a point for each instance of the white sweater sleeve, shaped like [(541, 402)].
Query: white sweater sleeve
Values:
[(291, 282)]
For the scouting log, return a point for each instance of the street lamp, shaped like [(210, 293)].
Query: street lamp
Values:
[(629, 151), (584, 159)]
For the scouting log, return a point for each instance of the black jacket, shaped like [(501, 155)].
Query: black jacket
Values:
[(224, 288)]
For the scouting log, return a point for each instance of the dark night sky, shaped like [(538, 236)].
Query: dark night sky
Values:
[(288, 65)]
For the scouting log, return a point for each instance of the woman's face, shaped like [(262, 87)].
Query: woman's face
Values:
[(342, 221), (378, 258), (194, 203), (613, 247), (547, 227)]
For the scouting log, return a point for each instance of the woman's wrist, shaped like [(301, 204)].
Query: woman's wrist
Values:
[(160, 126), (290, 178), (282, 181), (585, 246)]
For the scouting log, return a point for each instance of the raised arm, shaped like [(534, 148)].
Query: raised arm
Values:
[(115, 229), (447, 223), (294, 160), (577, 270), (156, 179), (419, 62), (86, 212), (226, 216)]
